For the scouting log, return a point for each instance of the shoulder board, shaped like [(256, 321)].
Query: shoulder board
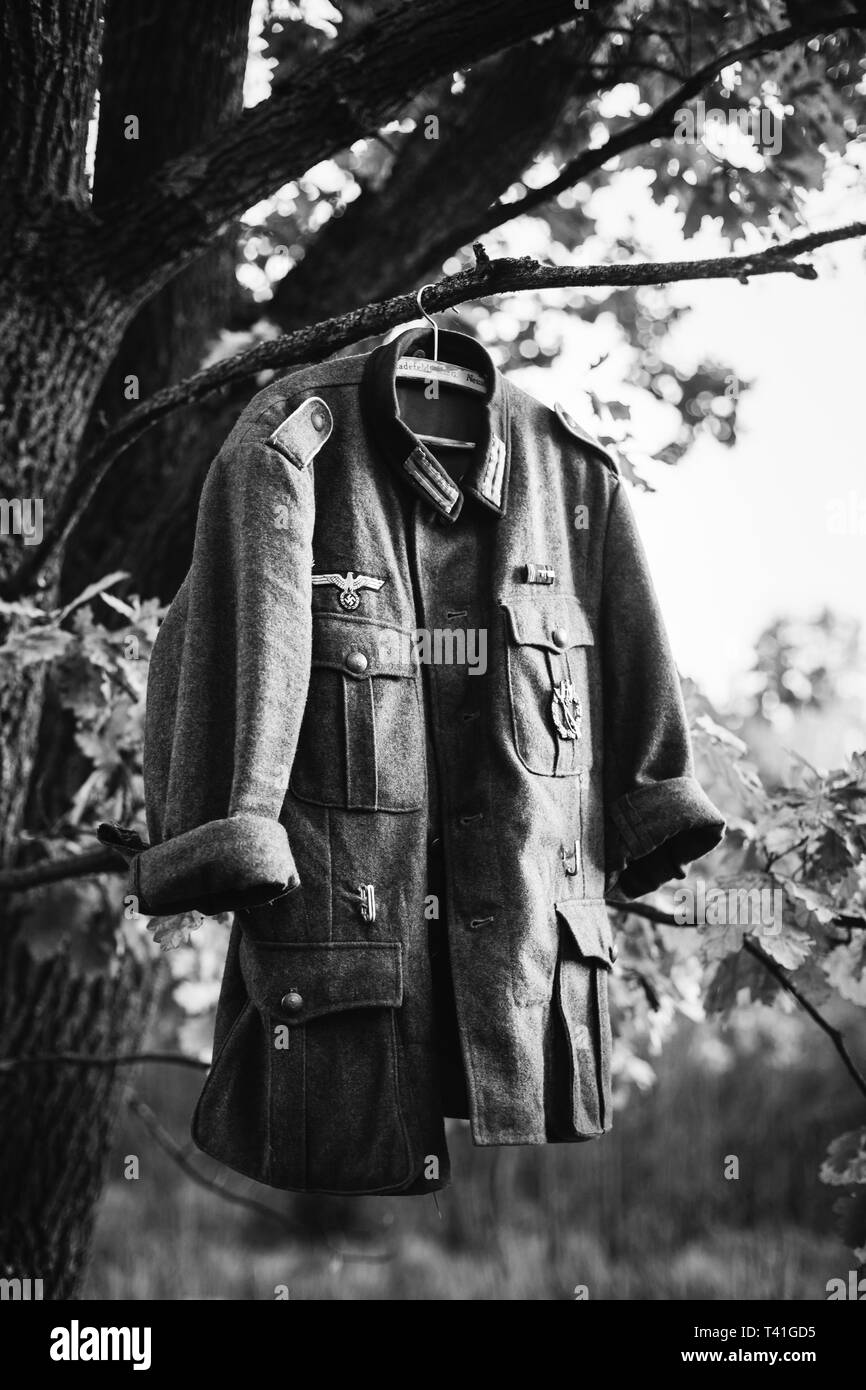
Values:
[(568, 422), (302, 434)]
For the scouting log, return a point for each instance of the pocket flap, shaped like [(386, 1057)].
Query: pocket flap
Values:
[(535, 619), (297, 981), (590, 928), (360, 648)]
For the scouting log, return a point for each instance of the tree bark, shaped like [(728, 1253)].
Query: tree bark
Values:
[(347, 92), (182, 75), (44, 116), (57, 1122), (59, 330), (485, 139), (63, 330)]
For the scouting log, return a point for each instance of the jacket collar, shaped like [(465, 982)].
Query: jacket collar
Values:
[(486, 478)]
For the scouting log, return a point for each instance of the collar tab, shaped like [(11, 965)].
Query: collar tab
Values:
[(486, 478), (429, 474), (493, 473)]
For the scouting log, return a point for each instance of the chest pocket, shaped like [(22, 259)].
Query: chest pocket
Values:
[(361, 745), (549, 647)]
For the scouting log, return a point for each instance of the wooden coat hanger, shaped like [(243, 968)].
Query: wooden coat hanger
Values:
[(425, 369)]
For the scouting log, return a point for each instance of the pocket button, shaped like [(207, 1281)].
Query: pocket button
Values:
[(357, 663), (559, 637), (292, 1001)]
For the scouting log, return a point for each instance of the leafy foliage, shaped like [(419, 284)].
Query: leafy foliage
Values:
[(804, 842)]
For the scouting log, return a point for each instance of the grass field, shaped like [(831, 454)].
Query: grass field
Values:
[(645, 1213)]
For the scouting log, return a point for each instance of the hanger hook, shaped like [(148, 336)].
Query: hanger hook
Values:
[(419, 300)]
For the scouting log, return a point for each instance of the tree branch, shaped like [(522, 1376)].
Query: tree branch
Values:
[(97, 861), (486, 136), (82, 1059), (503, 275), (169, 1145), (835, 1035), (837, 1038), (647, 910), (659, 123), (345, 92)]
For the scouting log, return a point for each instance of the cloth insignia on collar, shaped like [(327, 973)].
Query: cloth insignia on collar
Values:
[(494, 472), (422, 468)]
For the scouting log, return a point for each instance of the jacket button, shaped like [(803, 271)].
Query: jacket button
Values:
[(292, 1001), (317, 420), (559, 637), (357, 662)]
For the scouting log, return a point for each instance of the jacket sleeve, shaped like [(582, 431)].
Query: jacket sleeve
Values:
[(657, 817), (227, 686)]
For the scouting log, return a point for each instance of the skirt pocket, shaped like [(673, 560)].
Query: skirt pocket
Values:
[(586, 954), (320, 1050)]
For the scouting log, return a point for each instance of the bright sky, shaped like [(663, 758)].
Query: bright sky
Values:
[(739, 536)]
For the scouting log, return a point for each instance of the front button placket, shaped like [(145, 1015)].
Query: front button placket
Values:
[(453, 581)]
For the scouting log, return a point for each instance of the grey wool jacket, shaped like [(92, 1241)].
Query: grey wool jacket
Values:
[(416, 841)]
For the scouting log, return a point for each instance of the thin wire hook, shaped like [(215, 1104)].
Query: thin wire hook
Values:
[(432, 322)]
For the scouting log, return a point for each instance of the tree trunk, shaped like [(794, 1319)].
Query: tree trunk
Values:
[(54, 350), (63, 339), (58, 1120), (182, 74)]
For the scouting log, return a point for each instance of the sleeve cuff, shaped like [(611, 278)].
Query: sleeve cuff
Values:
[(222, 866), (655, 830)]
